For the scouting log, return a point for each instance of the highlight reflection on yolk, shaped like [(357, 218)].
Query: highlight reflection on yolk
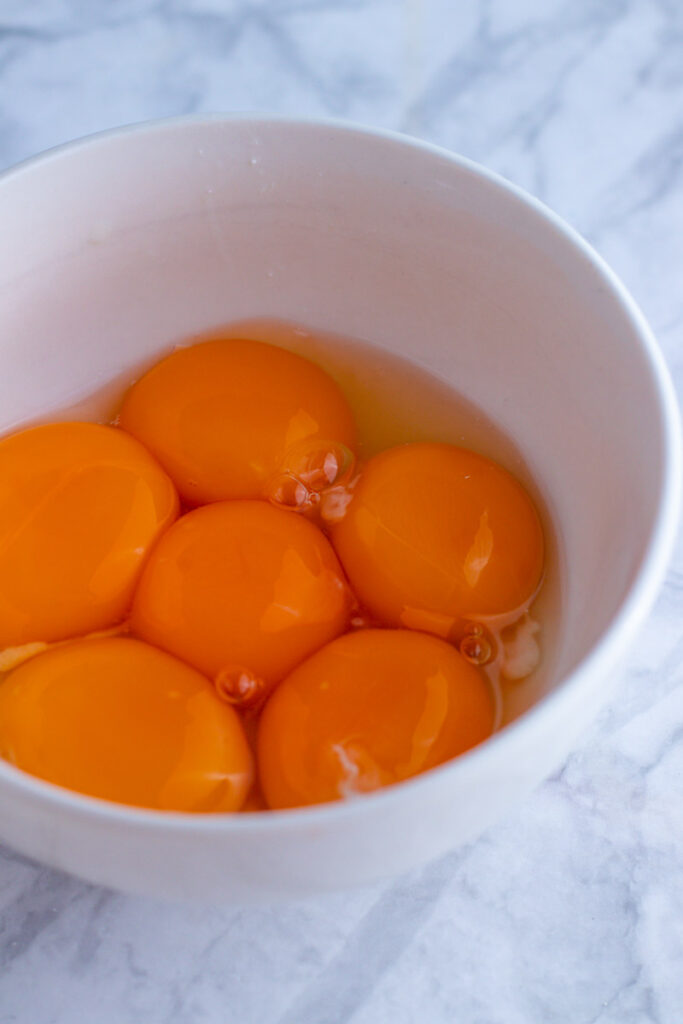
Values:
[(120, 720), (242, 584), (370, 709), (80, 507), (221, 416), (434, 533)]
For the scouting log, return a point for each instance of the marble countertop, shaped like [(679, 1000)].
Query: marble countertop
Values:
[(571, 910)]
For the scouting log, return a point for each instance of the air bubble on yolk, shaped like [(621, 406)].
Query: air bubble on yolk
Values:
[(309, 472), (285, 491), (319, 464), (435, 534), (123, 721), (475, 646), (240, 687), (81, 505), (222, 415), (371, 708), (242, 583)]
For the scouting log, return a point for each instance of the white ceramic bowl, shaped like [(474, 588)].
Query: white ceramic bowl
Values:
[(113, 246)]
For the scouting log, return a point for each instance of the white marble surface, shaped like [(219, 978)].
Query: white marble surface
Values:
[(572, 909)]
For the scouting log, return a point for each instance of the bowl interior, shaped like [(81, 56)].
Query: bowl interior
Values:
[(122, 245)]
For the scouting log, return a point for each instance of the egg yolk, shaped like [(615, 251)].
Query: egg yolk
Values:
[(120, 720), (241, 587), (370, 709), (222, 415), (436, 533), (80, 507)]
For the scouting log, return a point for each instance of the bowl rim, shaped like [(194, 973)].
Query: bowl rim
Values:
[(601, 657)]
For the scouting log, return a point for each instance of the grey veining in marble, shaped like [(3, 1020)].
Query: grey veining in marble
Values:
[(571, 910)]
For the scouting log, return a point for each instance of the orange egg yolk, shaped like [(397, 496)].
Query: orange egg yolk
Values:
[(436, 533), (120, 720), (370, 709), (80, 507), (242, 588), (221, 416)]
